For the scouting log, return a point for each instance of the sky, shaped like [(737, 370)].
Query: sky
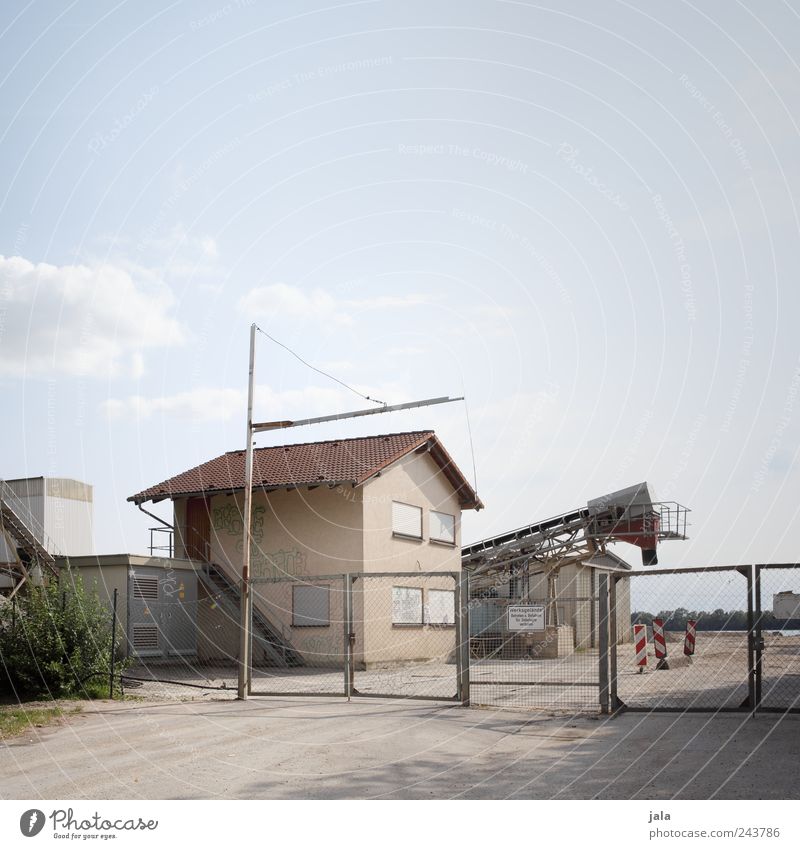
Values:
[(580, 215)]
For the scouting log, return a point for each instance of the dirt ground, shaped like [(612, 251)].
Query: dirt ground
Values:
[(270, 748)]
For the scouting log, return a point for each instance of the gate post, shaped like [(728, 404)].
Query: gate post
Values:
[(250, 641), (347, 618), (758, 640), (462, 636), (752, 642), (603, 642)]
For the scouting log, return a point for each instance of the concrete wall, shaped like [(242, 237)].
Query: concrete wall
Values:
[(416, 479)]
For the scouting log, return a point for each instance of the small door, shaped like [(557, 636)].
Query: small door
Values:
[(197, 533), (162, 619)]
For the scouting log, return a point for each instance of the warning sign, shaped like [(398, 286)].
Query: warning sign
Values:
[(526, 617)]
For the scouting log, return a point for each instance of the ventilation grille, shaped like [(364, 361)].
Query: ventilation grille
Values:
[(146, 588), (145, 637)]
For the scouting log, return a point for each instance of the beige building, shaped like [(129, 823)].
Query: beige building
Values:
[(367, 507)]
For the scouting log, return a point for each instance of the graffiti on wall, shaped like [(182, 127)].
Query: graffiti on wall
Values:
[(227, 520)]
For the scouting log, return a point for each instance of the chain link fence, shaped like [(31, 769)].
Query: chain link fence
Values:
[(777, 678), (406, 635), (537, 646), (565, 645), (704, 659), (182, 638), (299, 636)]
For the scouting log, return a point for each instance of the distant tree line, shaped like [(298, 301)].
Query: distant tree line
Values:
[(716, 620)]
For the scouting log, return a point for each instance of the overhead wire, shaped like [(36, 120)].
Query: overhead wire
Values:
[(320, 371)]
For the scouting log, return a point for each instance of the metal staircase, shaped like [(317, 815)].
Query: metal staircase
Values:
[(278, 649), (33, 545)]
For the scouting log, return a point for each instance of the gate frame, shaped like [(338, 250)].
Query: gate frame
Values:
[(751, 703), (460, 613), (758, 639), (461, 591)]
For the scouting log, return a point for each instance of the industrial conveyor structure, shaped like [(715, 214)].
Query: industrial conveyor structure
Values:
[(24, 536), (628, 515)]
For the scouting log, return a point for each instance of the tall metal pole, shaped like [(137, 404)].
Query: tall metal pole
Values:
[(244, 613)]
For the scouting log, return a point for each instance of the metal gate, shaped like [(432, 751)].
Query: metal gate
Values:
[(388, 634), (777, 637), (541, 647), (714, 671), (743, 653)]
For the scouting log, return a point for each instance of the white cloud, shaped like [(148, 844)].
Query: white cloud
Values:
[(282, 300), (289, 301), (80, 319), (216, 404)]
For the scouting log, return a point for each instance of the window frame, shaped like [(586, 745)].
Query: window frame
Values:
[(421, 622), (428, 620), (295, 623), (402, 534), (439, 540)]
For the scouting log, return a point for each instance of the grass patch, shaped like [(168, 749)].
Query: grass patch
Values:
[(16, 720)]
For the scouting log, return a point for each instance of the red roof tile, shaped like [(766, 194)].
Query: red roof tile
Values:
[(337, 461)]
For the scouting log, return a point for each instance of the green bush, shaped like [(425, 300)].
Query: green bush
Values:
[(52, 641)]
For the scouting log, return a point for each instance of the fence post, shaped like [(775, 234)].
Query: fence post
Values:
[(250, 638), (462, 635), (347, 617), (612, 643), (758, 640), (747, 571), (603, 642), (113, 644)]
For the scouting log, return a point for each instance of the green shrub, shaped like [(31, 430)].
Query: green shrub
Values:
[(53, 640)]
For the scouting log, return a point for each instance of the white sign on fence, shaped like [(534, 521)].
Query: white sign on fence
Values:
[(526, 617)]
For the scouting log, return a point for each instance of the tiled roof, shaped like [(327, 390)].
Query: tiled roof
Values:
[(337, 461)]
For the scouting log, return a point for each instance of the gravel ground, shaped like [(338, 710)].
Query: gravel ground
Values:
[(329, 748)]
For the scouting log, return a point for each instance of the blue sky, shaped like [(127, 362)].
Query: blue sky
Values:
[(579, 215)]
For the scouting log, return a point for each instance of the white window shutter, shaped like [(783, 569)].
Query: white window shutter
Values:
[(406, 519)]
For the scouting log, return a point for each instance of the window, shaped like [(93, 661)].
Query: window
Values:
[(406, 520), (441, 607), (406, 606), (443, 528), (311, 606)]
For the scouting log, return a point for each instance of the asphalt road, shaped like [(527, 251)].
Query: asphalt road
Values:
[(332, 749)]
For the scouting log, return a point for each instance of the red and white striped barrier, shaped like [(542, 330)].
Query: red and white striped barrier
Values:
[(688, 643), (659, 643), (640, 644)]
